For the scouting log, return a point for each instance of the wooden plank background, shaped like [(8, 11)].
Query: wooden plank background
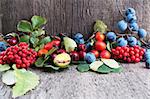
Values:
[(72, 16)]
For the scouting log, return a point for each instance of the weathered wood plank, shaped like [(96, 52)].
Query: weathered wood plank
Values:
[(132, 83), (72, 15)]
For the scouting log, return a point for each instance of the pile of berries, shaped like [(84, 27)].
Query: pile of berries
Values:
[(128, 54), (21, 55)]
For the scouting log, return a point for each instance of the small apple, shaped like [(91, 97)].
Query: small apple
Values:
[(82, 54), (100, 45), (74, 56), (105, 54), (12, 41), (95, 52), (82, 47)]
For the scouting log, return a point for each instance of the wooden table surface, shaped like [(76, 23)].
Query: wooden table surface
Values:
[(132, 83)]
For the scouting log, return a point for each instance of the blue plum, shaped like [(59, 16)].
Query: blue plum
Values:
[(3, 46), (111, 36), (90, 57), (134, 26), (130, 11), (142, 33), (122, 42), (122, 25), (78, 36), (132, 41), (131, 18)]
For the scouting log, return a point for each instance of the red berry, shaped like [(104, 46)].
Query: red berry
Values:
[(121, 51), (136, 50), (132, 58), (131, 49), (137, 55), (120, 56), (125, 58), (141, 53), (118, 48), (128, 60), (18, 66), (137, 60), (125, 54), (132, 53), (116, 52)]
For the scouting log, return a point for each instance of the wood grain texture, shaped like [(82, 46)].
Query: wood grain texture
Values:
[(132, 83), (72, 16)]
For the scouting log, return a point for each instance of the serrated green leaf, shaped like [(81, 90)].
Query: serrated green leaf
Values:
[(24, 26), (52, 67), (45, 40), (108, 46), (25, 81), (4, 67), (83, 67), (9, 77), (34, 41), (100, 26), (38, 33), (104, 69), (38, 21), (25, 38)]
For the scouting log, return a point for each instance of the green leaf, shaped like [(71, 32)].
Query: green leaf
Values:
[(45, 40), (104, 69), (4, 67), (25, 81), (83, 67), (95, 65), (24, 26), (25, 38), (9, 77), (34, 41), (38, 21), (52, 67), (110, 63), (108, 46), (100, 26), (117, 70), (40, 61), (69, 44), (38, 33)]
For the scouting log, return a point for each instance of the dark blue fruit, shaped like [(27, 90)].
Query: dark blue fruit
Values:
[(122, 25), (132, 41), (90, 57), (134, 26), (111, 36), (130, 11), (131, 18), (122, 42), (142, 33), (3, 46)]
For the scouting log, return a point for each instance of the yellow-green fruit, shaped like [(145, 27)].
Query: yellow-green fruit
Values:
[(62, 60)]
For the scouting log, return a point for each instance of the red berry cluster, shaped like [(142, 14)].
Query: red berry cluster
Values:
[(128, 54), (20, 55)]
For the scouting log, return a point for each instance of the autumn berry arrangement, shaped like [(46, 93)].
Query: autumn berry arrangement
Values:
[(101, 52)]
